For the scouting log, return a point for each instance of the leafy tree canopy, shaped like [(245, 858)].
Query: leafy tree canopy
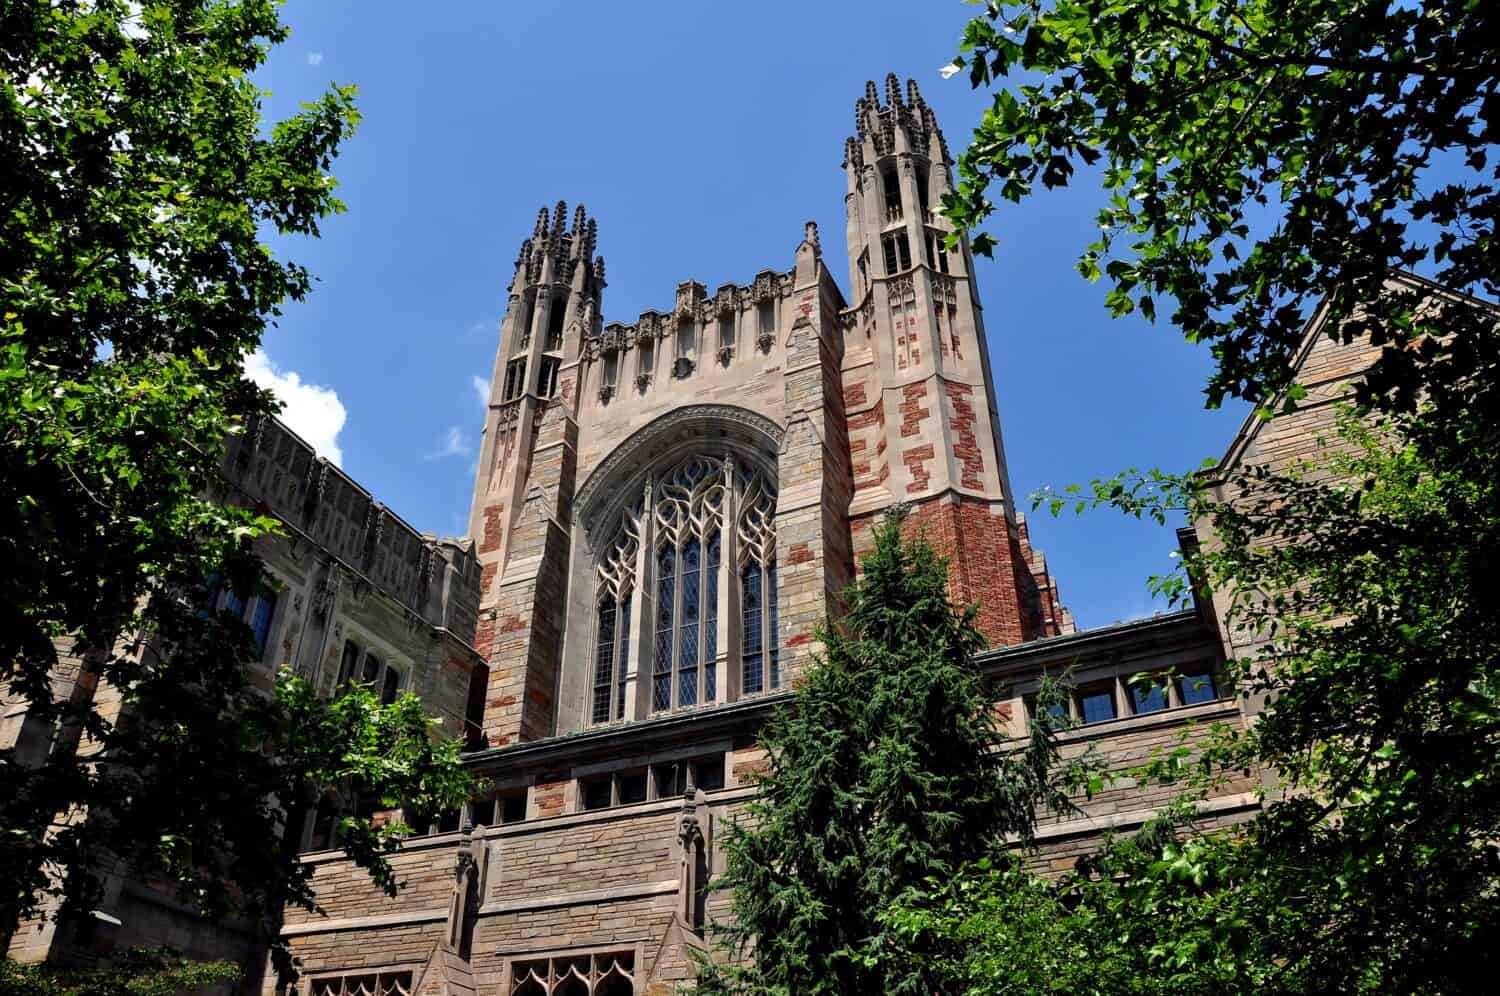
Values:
[(887, 771), (137, 182), (1258, 156)]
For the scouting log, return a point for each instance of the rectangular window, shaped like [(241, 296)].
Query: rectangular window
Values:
[(1096, 703), (349, 663), (773, 650), (515, 379), (1057, 710), (666, 605), (261, 619), (604, 660), (391, 686), (512, 807), (1148, 694), (670, 779), (753, 678), (687, 636), (596, 793), (632, 786), (547, 377), (708, 772), (234, 604), (622, 672), (726, 331), (767, 316), (687, 339), (611, 368), (1196, 688), (371, 670), (897, 252), (482, 812), (555, 319), (892, 187), (711, 620), (646, 360)]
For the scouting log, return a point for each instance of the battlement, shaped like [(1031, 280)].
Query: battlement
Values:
[(899, 125), (437, 579)]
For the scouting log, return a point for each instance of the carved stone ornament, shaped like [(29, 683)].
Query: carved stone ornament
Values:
[(606, 391), (726, 353), (642, 381), (765, 340), (682, 367)]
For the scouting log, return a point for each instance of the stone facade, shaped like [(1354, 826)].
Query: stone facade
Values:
[(354, 590), (664, 511)]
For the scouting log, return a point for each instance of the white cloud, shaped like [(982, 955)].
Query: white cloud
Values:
[(481, 391), (313, 58), (313, 411), (454, 444)]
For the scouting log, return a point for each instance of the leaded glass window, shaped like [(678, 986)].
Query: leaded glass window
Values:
[(692, 511)]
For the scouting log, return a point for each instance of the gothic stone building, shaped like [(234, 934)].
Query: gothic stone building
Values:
[(664, 511)]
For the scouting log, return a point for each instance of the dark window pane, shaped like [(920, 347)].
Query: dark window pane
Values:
[(1097, 703), (392, 686), (1148, 697), (1196, 688), (711, 620), (687, 686), (772, 639), (632, 787), (708, 772), (483, 812), (513, 808), (624, 659), (669, 779), (260, 621), (661, 692), (350, 661), (371, 670), (753, 678), (596, 793), (604, 661), (234, 604)]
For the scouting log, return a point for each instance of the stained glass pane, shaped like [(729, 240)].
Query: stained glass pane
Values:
[(772, 639), (711, 620), (260, 621), (604, 660), (624, 658), (750, 629), (687, 688), (666, 593)]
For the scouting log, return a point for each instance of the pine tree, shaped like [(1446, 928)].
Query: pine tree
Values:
[(887, 774)]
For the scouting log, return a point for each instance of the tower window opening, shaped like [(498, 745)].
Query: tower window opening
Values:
[(726, 331), (922, 179), (767, 314), (897, 252), (892, 194), (555, 321), (647, 358), (686, 339), (528, 313), (864, 273), (515, 379), (547, 377), (611, 369)]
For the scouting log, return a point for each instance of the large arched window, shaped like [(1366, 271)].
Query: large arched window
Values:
[(707, 525)]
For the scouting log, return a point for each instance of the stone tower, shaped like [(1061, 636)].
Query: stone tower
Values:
[(918, 394), (523, 490), (665, 511)]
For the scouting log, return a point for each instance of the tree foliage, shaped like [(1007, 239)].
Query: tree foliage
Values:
[(1257, 157), (134, 972), (137, 182), (1361, 584), (887, 772)]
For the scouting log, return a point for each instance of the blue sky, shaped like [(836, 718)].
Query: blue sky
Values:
[(702, 137)]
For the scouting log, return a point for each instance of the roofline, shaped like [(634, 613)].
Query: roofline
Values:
[(717, 719), (1150, 626)]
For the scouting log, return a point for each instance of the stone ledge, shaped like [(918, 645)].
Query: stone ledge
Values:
[(364, 922), (1095, 824), (614, 894)]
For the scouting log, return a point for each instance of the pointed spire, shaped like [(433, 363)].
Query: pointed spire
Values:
[(913, 95), (541, 224), (892, 90)]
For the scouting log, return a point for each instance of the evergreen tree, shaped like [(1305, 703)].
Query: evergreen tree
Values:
[(886, 775)]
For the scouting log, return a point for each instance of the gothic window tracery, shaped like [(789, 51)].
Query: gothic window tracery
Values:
[(690, 518), (601, 974)]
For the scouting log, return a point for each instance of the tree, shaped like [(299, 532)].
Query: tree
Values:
[(1258, 157), (887, 772), (135, 972), (1363, 581), (137, 181)]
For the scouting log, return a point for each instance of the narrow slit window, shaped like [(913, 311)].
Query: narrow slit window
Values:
[(752, 661), (555, 319), (515, 379), (604, 661), (711, 620), (547, 378)]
